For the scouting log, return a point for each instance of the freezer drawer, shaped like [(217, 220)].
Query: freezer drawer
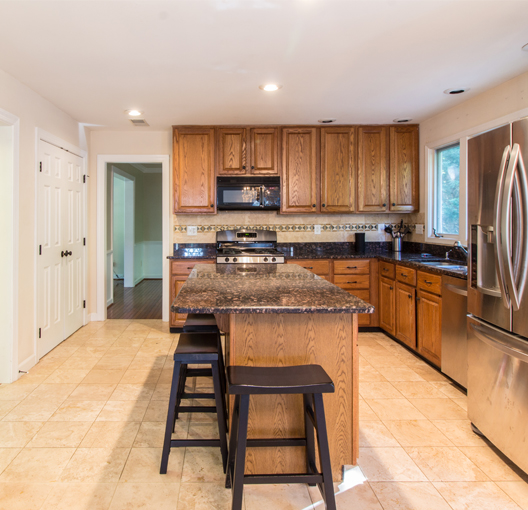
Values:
[(498, 388)]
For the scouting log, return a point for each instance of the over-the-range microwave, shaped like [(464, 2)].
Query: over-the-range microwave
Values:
[(248, 193)]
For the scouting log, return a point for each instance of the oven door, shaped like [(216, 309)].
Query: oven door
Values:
[(238, 197)]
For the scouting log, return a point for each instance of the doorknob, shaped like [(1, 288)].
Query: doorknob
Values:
[(69, 253), (63, 254)]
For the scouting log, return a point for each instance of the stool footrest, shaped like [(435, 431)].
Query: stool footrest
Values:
[(285, 478), (194, 442), (198, 395), (199, 372), (262, 443), (197, 409)]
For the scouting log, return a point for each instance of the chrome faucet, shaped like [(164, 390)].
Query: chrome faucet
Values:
[(458, 245)]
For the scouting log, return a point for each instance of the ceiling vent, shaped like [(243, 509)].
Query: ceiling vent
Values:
[(326, 121), (139, 122)]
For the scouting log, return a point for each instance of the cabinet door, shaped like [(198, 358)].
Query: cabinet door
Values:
[(372, 171), (299, 170), (387, 316), (231, 150), (430, 326), (176, 319), (337, 169), (193, 170), (264, 151), (403, 168), (406, 314)]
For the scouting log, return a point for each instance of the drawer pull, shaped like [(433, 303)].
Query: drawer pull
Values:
[(404, 275), (428, 283), (385, 269), (351, 267), (390, 288), (351, 282), (189, 267), (410, 296), (308, 267)]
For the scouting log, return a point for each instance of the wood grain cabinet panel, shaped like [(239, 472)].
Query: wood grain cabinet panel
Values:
[(403, 178), (319, 267), (264, 144), (337, 170), (231, 152), (387, 305), (430, 326), (299, 170), (406, 314), (387, 270), (193, 170), (372, 171)]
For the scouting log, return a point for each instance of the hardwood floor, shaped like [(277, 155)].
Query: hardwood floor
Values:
[(144, 301)]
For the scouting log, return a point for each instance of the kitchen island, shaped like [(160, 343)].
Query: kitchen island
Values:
[(276, 315)]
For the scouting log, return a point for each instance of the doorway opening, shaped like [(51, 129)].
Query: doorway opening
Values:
[(134, 241)]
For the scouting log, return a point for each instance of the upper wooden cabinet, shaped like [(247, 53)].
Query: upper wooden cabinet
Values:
[(403, 181), (338, 157), (372, 171), (299, 170), (247, 151), (193, 170)]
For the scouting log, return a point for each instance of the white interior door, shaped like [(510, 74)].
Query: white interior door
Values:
[(61, 250)]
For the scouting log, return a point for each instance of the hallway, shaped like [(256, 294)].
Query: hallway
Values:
[(144, 301)]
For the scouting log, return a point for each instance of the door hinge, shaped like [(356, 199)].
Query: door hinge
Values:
[(40, 249), (41, 166), (40, 332), (84, 303), (84, 179), (84, 241)]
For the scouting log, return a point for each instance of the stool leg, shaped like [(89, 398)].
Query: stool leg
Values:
[(232, 443), (309, 434), (240, 454), (220, 411), (324, 453), (169, 427), (181, 388)]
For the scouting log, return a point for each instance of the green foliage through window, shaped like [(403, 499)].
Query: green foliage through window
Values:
[(447, 192)]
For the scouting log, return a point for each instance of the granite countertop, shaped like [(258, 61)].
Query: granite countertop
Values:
[(257, 288)]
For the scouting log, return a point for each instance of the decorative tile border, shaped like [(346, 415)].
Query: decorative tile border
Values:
[(346, 227)]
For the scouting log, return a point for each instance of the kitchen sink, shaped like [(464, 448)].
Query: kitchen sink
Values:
[(443, 263)]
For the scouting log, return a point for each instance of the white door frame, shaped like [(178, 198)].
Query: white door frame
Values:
[(102, 162), (130, 224), (9, 365)]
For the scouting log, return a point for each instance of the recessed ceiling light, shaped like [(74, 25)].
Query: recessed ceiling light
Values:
[(402, 120), (525, 47), (326, 121), (457, 90), (270, 87), (133, 113)]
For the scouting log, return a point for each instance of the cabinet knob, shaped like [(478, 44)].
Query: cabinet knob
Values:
[(252, 167), (384, 205), (324, 205), (212, 205), (313, 205), (390, 288), (410, 297), (393, 204), (243, 167), (417, 299)]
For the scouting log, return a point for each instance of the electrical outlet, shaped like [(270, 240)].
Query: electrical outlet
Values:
[(419, 229), (317, 229), (192, 231), (381, 227)]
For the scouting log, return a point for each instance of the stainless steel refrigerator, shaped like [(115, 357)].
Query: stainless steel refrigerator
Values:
[(497, 301)]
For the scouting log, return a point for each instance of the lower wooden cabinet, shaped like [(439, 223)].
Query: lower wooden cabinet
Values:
[(321, 267), (387, 306), (406, 314), (429, 326)]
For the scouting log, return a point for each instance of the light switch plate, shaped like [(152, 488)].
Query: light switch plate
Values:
[(317, 229), (192, 231), (419, 228)]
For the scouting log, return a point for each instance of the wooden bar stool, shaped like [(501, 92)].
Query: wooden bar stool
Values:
[(196, 349), (309, 380)]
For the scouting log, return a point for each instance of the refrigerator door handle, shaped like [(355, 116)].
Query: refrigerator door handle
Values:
[(500, 342), (515, 173), (499, 262)]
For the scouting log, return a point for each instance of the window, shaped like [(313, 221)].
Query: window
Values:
[(446, 193)]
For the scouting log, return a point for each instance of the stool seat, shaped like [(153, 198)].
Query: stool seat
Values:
[(244, 380), (196, 346)]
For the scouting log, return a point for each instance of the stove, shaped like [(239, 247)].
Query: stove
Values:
[(247, 247)]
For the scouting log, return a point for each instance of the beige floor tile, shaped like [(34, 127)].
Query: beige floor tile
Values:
[(462, 402), (34, 377), (23, 496), (95, 465), (143, 466), (166, 376), (16, 392), (62, 375), (409, 496), (100, 392), (375, 390), (120, 351), (385, 361), (389, 464), (395, 409), (161, 496), (417, 433), (418, 389), (280, 497), (205, 496), (39, 465), (111, 434), (103, 376), (60, 435), (375, 434), (58, 392), (155, 347), (148, 362), (78, 410), (449, 389), (428, 373), (518, 491), (63, 351), (6, 406), (123, 410), (459, 432), (6, 456), (363, 363), (129, 341), (79, 363), (359, 497), (400, 374), (141, 376), (369, 373), (475, 496), (439, 408), (114, 363), (92, 352), (17, 434), (197, 430), (373, 350), (486, 459), (203, 465), (150, 435), (446, 464), (157, 411), (80, 496), (33, 410), (133, 392)]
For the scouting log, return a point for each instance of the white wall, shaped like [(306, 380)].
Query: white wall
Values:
[(34, 112)]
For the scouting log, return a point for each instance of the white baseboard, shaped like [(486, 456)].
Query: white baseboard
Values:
[(152, 276), (94, 317), (28, 363), (138, 280), (110, 302)]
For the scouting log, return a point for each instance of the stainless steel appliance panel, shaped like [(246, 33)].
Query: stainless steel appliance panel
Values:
[(498, 388), (454, 329)]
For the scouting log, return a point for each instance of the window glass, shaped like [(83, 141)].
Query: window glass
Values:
[(447, 189)]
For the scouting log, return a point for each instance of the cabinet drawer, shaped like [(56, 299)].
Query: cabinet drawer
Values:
[(185, 267), (351, 266), (406, 275), (363, 318), (359, 281), (320, 267), (386, 270), (430, 282)]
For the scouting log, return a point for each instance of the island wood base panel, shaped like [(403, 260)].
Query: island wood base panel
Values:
[(329, 340)]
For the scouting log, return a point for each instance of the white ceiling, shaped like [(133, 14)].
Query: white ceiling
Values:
[(201, 61)]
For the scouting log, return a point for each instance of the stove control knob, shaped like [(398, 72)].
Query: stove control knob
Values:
[(227, 259), (235, 259), (265, 259), (274, 259)]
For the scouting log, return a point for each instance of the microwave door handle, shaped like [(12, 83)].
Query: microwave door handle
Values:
[(499, 262)]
